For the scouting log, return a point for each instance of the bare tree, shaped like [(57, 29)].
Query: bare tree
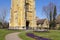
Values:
[(49, 12), (3, 14), (47, 9)]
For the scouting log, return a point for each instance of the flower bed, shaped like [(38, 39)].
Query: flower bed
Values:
[(36, 37)]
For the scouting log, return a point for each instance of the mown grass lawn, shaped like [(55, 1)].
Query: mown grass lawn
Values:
[(24, 37), (52, 34), (4, 32)]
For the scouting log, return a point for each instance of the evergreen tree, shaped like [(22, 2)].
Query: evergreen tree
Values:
[(54, 17), (54, 14), (50, 20)]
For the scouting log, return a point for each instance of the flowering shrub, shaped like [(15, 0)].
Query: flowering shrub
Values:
[(36, 37)]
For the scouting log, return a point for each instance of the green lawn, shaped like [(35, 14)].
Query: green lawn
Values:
[(24, 37), (53, 34), (4, 32)]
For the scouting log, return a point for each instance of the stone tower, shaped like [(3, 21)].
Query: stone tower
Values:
[(22, 14)]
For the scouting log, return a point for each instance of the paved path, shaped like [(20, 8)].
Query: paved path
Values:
[(13, 36)]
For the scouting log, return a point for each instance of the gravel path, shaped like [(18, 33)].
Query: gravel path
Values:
[(13, 36)]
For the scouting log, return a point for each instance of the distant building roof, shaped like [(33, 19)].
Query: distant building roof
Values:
[(40, 21)]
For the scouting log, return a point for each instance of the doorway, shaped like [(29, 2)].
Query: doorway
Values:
[(27, 24)]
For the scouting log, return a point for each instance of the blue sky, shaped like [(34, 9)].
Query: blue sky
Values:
[(39, 5)]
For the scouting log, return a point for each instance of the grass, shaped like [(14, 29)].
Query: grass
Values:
[(53, 34), (4, 32), (24, 37)]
